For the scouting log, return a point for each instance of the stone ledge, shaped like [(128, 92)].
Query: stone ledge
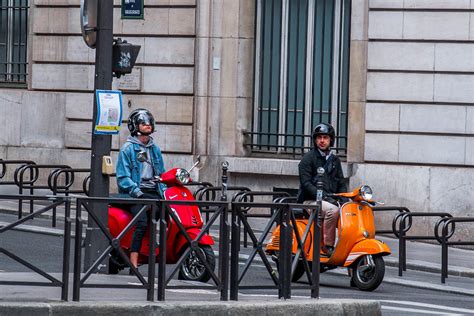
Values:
[(294, 306)]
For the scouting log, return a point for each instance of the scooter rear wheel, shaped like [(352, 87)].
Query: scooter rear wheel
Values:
[(193, 269), (366, 277)]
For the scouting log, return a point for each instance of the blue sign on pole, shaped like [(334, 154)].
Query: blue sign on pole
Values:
[(132, 9)]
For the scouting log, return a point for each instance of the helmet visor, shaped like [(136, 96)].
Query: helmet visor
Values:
[(145, 119)]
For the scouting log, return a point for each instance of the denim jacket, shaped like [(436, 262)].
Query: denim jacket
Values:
[(128, 168)]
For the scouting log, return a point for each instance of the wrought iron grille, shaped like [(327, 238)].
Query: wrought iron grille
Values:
[(301, 73), (13, 41)]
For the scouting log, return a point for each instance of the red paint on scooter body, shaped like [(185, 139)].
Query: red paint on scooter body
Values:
[(189, 216)]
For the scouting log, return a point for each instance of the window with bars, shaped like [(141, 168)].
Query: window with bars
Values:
[(301, 73), (13, 41)]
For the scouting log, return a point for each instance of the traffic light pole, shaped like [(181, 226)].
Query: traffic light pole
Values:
[(101, 144)]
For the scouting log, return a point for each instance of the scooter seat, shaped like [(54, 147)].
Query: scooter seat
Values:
[(125, 207), (300, 213)]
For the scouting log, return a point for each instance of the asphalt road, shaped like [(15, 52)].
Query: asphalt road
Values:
[(45, 251)]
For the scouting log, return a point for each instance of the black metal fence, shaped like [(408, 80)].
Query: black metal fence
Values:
[(281, 214), (55, 201), (447, 226), (166, 214)]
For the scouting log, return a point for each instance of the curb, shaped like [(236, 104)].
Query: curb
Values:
[(295, 307), (431, 267)]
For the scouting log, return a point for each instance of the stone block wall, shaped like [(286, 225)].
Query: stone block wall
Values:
[(415, 94), (51, 120), (420, 82)]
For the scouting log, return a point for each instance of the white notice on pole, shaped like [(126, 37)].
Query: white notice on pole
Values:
[(109, 112)]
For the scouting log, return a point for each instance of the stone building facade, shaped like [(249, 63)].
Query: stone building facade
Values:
[(410, 124)]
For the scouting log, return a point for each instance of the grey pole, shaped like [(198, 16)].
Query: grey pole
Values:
[(101, 144)]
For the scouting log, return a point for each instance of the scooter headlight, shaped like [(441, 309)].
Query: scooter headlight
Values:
[(183, 176), (366, 192)]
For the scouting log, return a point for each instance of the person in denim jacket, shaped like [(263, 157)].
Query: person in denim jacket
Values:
[(138, 162)]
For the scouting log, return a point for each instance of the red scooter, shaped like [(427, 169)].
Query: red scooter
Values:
[(190, 217)]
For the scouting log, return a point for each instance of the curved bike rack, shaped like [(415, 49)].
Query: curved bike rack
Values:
[(210, 194), (401, 210), (3, 165), (245, 196), (447, 227), (22, 183), (405, 221)]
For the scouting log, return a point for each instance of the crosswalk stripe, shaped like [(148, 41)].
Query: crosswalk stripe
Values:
[(415, 310), (434, 306)]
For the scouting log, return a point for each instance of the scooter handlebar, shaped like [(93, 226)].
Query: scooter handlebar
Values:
[(154, 179)]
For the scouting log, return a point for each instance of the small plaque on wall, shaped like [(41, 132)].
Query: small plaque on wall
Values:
[(129, 82)]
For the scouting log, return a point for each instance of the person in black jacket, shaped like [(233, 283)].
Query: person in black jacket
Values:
[(332, 179)]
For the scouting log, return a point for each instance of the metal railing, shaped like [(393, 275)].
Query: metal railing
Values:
[(447, 227), (282, 217), (4, 164), (399, 209), (114, 245), (63, 283), (29, 184), (165, 214), (261, 142), (248, 196), (221, 280), (13, 48), (405, 221)]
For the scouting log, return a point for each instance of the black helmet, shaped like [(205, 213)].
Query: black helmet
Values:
[(140, 116), (325, 129)]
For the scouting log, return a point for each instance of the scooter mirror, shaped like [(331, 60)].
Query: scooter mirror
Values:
[(197, 163)]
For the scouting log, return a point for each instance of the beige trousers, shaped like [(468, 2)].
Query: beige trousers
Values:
[(329, 216)]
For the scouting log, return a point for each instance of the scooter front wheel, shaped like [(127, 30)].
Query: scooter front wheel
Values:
[(368, 272), (193, 269)]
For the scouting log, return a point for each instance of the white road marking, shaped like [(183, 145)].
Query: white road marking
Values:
[(447, 308), (195, 291), (414, 310)]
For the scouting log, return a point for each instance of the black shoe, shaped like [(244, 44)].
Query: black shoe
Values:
[(327, 251)]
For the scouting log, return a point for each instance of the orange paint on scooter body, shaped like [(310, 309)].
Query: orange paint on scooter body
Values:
[(356, 236)]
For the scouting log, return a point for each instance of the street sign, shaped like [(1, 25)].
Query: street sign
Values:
[(89, 22), (132, 9)]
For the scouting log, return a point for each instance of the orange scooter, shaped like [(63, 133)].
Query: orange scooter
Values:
[(356, 247)]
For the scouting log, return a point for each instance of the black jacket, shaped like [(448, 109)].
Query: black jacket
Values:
[(333, 178)]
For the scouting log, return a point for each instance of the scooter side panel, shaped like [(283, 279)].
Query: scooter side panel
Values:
[(367, 247), (349, 233), (118, 220), (274, 244)]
